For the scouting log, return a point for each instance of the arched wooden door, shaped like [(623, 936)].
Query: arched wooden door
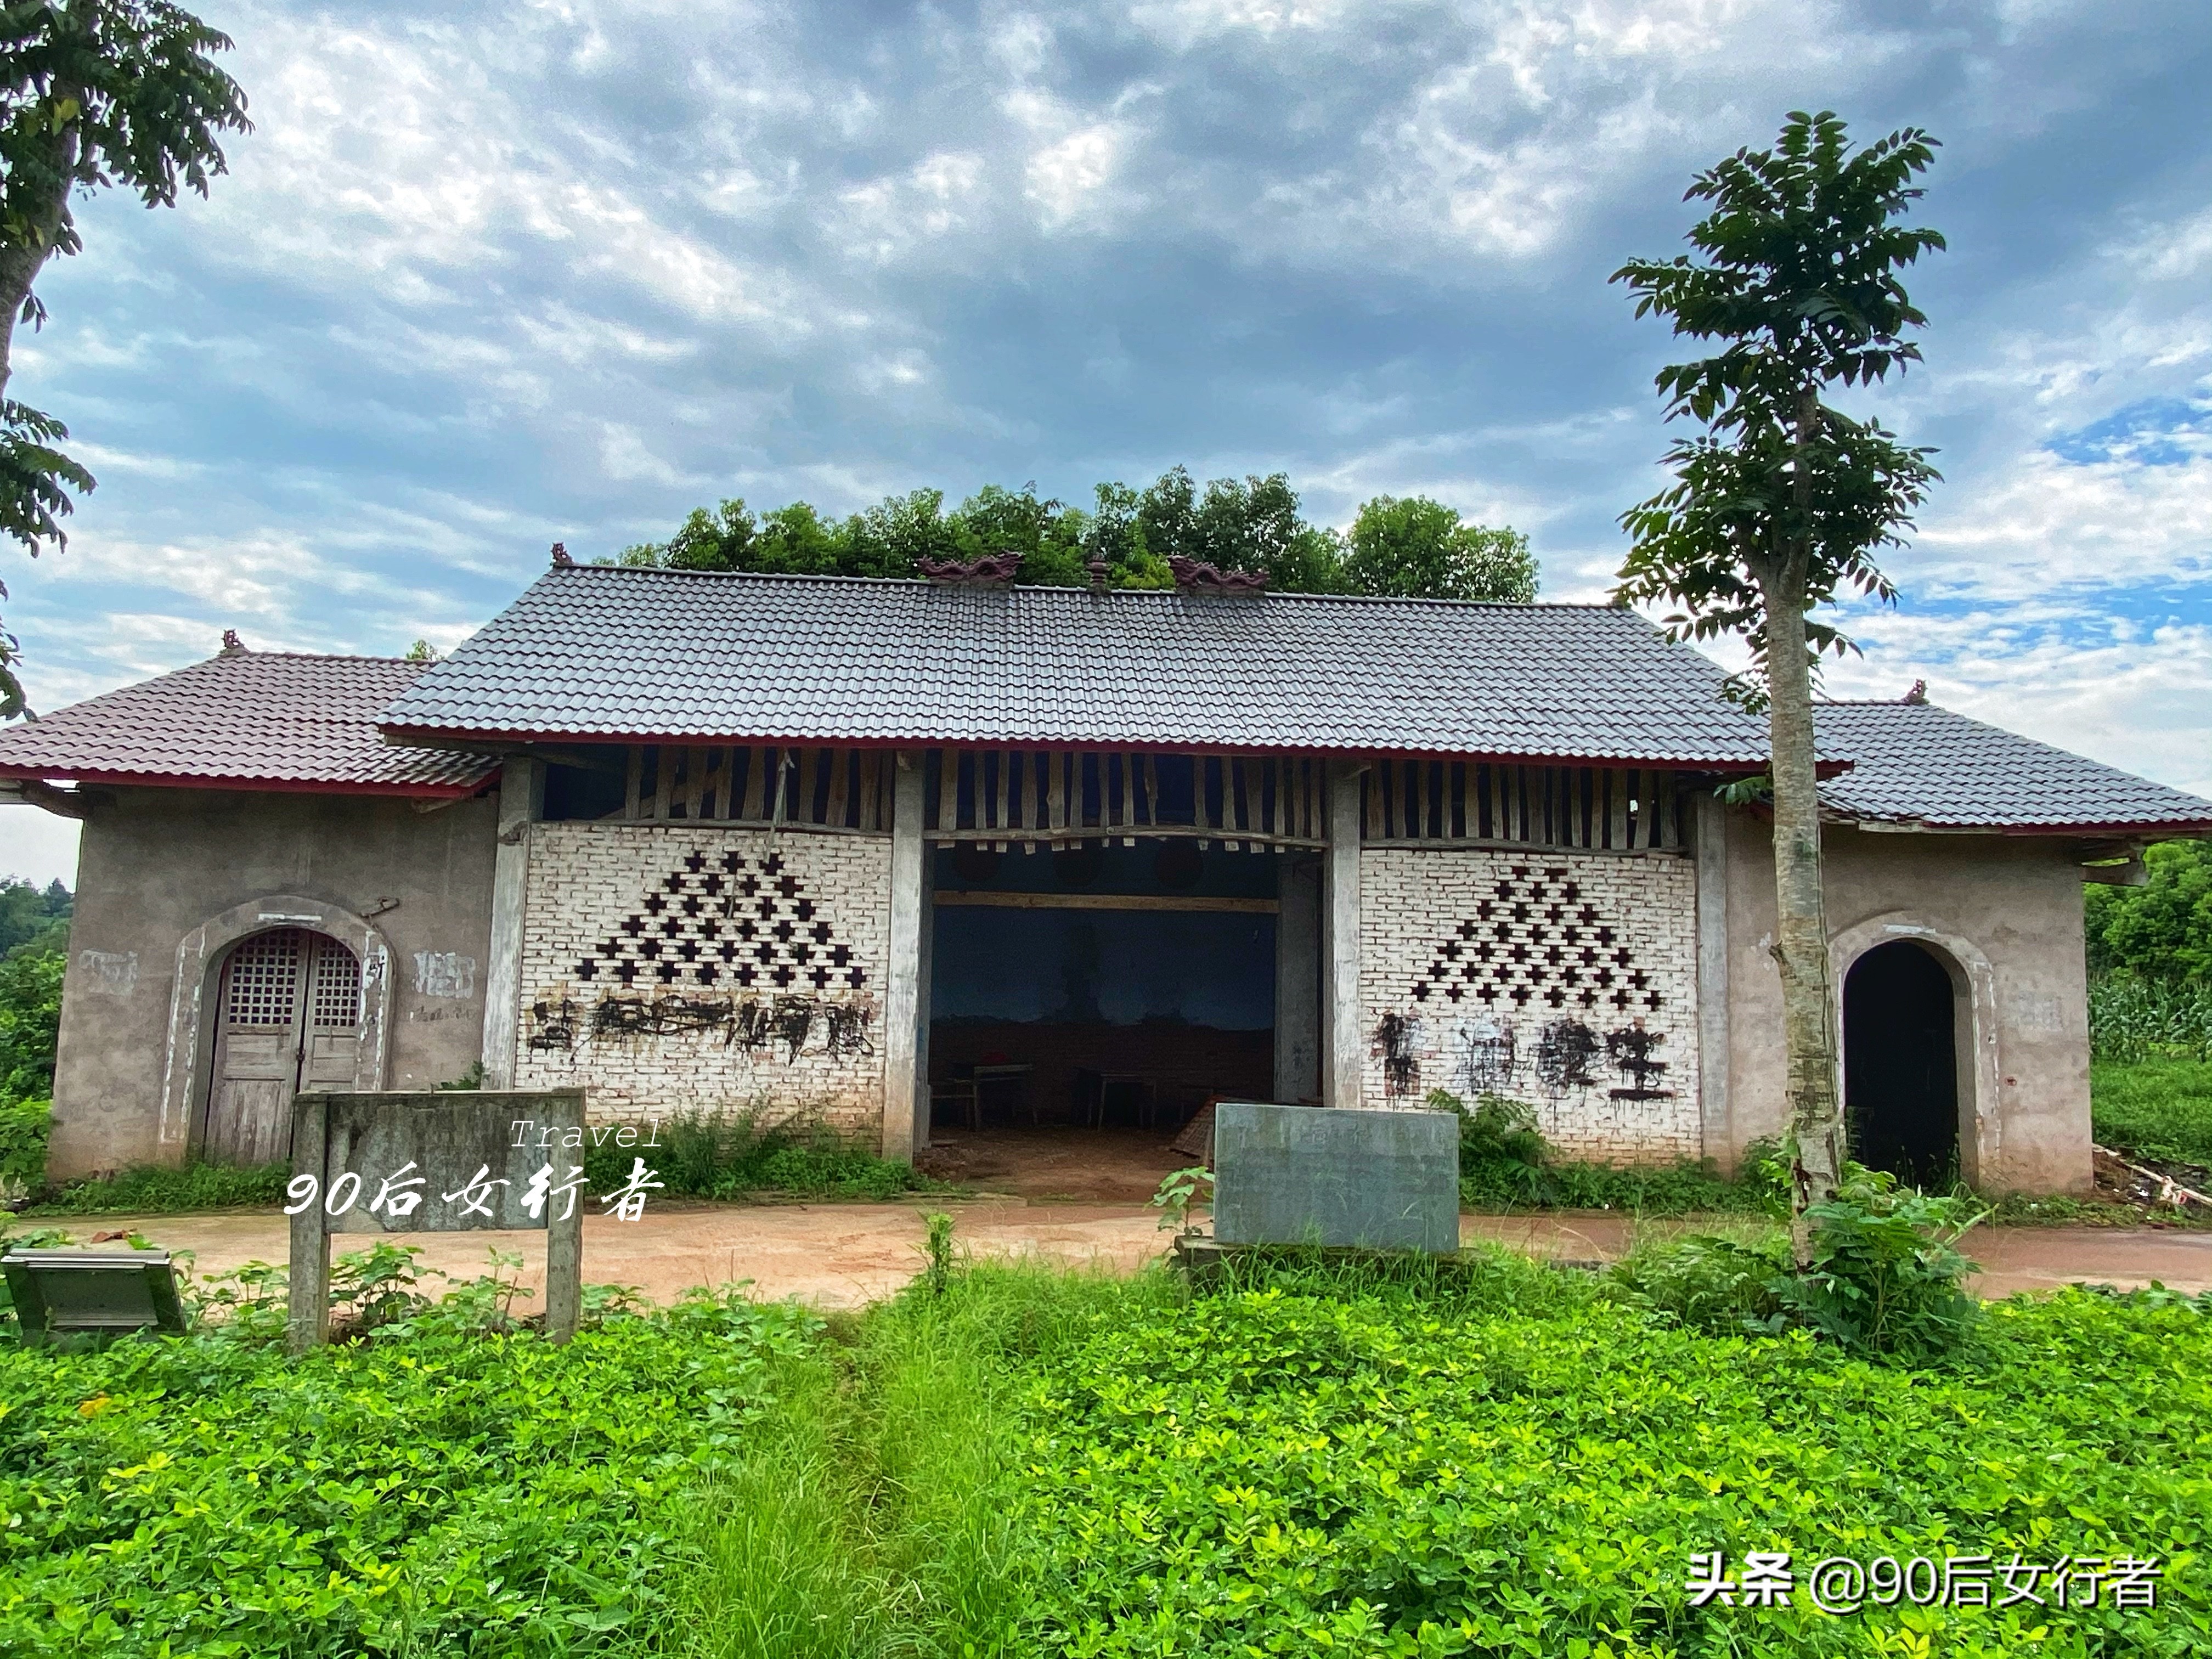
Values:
[(288, 1019)]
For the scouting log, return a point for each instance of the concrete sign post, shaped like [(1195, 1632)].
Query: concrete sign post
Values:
[(442, 1161)]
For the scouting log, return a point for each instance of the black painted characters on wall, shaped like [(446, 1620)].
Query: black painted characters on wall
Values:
[(724, 919), (784, 1025), (1487, 1059), (1538, 940), (1401, 1067)]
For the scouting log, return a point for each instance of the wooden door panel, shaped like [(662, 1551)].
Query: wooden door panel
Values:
[(289, 1020), (257, 1055), (331, 1060), (250, 1121)]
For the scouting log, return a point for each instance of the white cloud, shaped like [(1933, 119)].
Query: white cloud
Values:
[(2044, 523), (2134, 702), (624, 453), (1066, 176)]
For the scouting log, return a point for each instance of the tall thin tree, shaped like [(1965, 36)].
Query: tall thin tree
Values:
[(93, 93), (1779, 505)]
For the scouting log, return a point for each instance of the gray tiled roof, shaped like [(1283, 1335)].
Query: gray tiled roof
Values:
[(1916, 762), (599, 651), (266, 720)]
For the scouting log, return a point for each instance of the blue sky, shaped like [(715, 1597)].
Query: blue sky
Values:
[(486, 277)]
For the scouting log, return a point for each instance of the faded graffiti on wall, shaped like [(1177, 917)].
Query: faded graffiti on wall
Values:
[(784, 1027), (1486, 1055)]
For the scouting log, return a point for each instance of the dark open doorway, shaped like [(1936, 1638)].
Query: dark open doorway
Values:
[(1901, 1064), (1111, 987)]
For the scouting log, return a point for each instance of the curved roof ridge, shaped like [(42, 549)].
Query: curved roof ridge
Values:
[(1082, 588)]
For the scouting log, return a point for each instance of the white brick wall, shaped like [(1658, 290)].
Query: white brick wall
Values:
[(1564, 980), (669, 968)]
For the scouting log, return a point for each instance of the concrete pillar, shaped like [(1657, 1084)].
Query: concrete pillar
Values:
[(921, 1000), (521, 800), (1346, 1048), (1709, 841), (903, 987), (1298, 977)]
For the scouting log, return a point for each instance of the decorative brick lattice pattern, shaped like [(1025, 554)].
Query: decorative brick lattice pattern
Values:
[(668, 969), (1564, 981)]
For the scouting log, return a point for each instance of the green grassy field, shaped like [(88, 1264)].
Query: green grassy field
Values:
[(1497, 1460), (2159, 1108)]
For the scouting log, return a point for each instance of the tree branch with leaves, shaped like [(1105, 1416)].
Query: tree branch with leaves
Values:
[(94, 95), (1777, 508)]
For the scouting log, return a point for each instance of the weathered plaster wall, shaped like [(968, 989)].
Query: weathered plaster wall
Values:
[(670, 968), (1565, 980), (2007, 911), (155, 865)]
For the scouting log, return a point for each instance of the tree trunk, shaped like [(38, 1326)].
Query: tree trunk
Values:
[(24, 253), (1800, 934)]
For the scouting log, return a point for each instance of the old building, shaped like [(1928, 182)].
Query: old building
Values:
[(842, 848)]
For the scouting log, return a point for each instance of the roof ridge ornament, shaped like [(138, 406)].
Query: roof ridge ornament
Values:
[(560, 559), (232, 645), (991, 570), (1195, 576)]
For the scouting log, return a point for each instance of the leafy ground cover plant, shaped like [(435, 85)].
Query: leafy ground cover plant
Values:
[(1886, 1278), (876, 1512), (1505, 1164), (1403, 1457), (437, 1490), (1311, 1466)]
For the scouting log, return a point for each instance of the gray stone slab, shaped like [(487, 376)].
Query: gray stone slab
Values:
[(443, 1140), (1303, 1175)]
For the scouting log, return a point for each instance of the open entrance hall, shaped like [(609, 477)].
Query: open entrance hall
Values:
[(1110, 991)]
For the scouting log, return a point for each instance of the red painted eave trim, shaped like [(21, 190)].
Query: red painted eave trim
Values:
[(278, 786), (434, 736), (2162, 830), (2158, 829)]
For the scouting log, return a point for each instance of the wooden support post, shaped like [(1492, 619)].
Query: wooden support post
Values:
[(1347, 1043), (307, 1324), (564, 1272), (521, 800), (902, 1010)]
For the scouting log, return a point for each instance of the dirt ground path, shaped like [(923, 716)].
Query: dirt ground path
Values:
[(844, 1255)]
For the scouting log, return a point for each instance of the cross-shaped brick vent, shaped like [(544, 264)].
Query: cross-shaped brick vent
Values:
[(1537, 940), (723, 919)]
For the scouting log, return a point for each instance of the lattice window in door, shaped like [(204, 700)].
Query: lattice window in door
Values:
[(265, 979), (336, 1005)]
